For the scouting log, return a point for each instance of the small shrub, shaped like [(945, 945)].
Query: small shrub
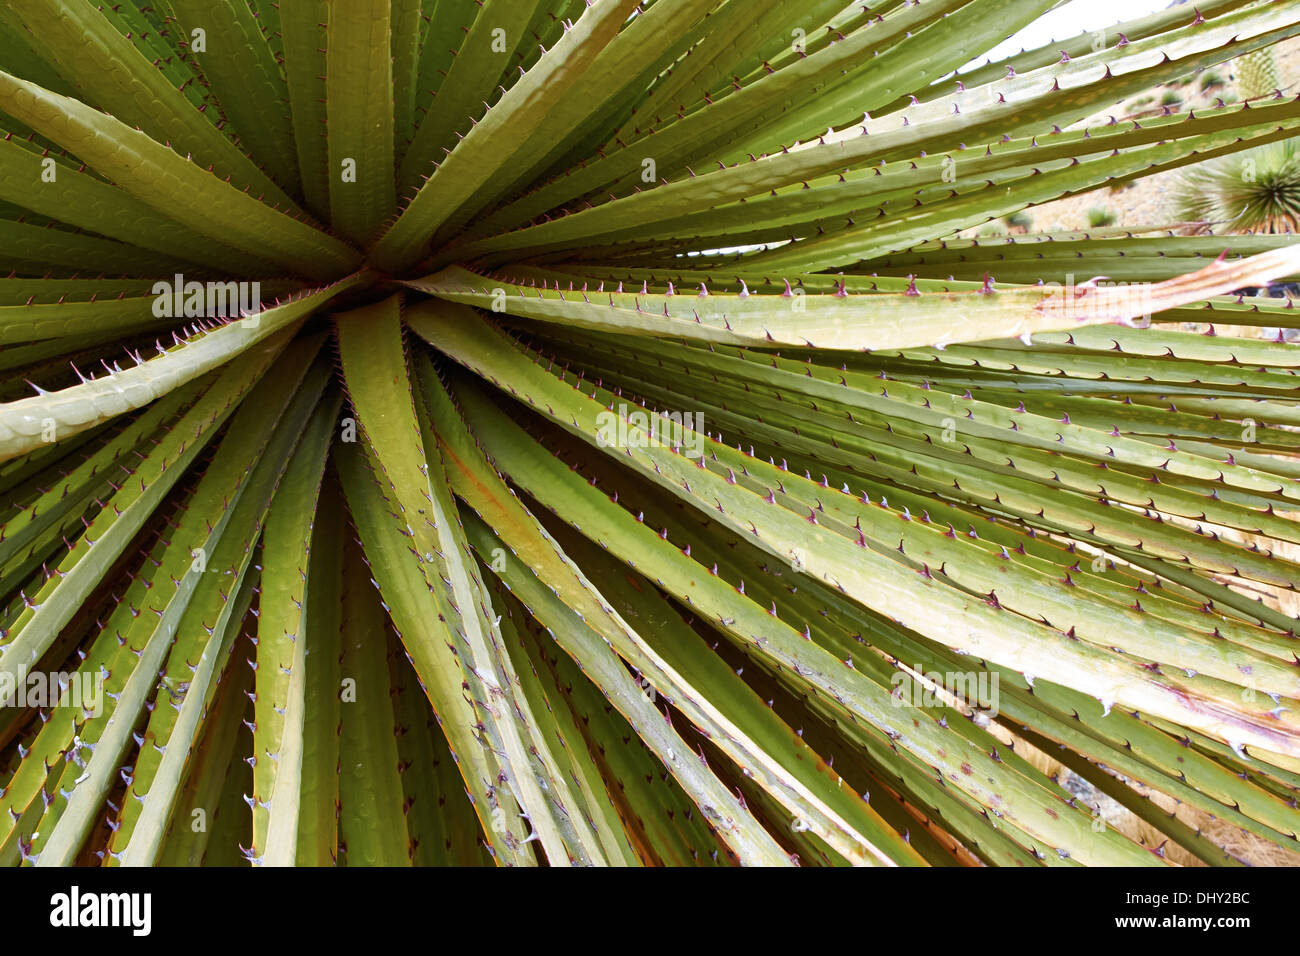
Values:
[(1020, 220), (1099, 216)]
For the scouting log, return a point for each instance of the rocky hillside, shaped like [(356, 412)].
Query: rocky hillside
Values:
[(1146, 202)]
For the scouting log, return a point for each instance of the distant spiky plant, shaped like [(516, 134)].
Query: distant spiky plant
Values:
[(1257, 74), (1257, 191), (523, 522)]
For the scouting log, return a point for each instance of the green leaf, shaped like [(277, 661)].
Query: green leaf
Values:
[(372, 827), (238, 64), (26, 424), (359, 116), (284, 639), (318, 809), (370, 346), (103, 65), (844, 320), (175, 185), (516, 117)]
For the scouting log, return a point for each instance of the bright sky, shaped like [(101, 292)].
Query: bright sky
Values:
[(1075, 17)]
